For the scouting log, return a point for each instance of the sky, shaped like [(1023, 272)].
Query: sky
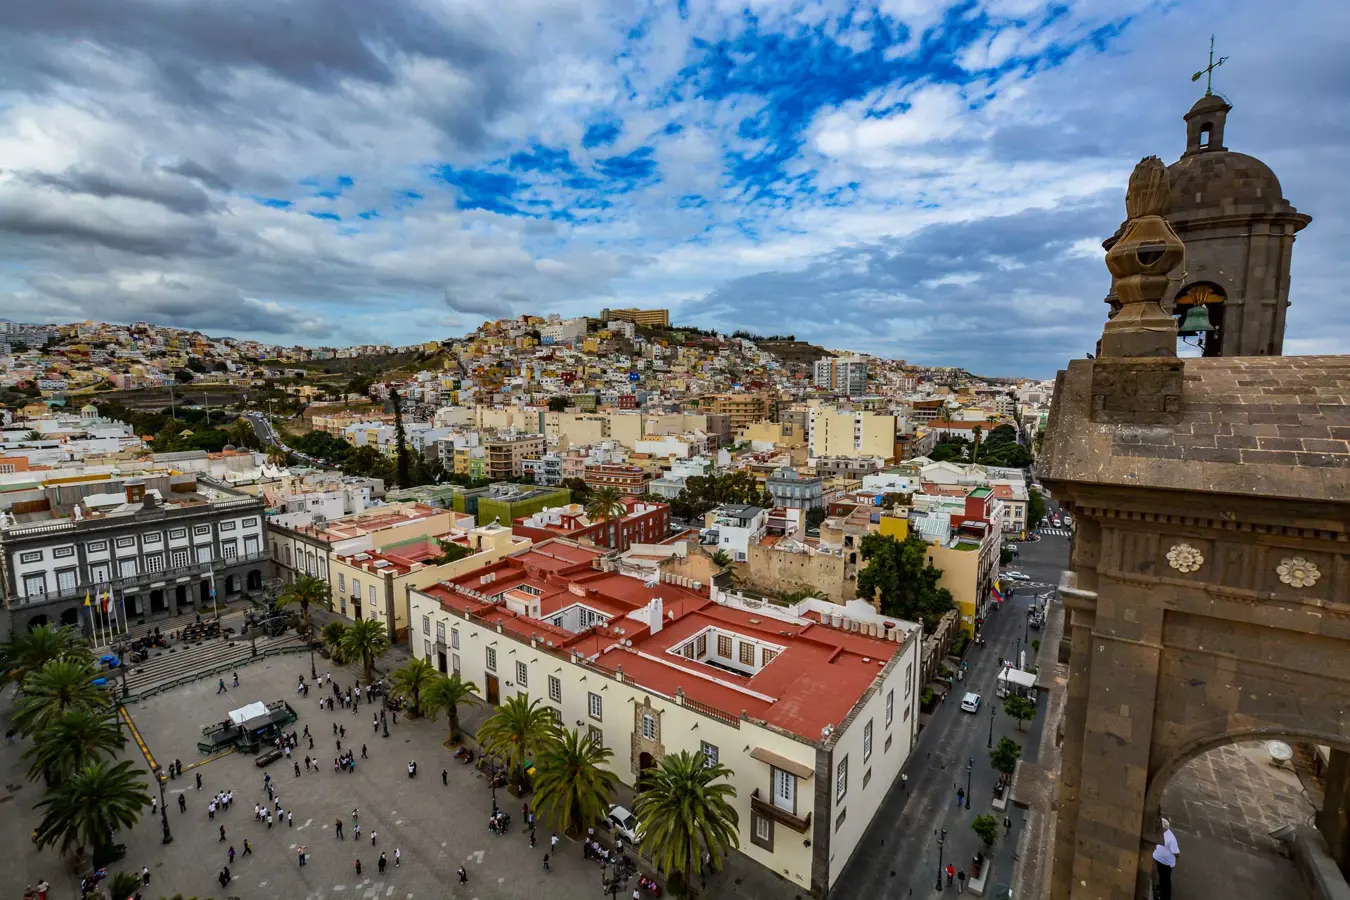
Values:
[(916, 179)]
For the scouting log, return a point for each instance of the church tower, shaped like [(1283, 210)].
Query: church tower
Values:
[(1238, 230)]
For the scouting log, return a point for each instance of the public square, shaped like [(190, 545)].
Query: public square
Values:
[(436, 827)]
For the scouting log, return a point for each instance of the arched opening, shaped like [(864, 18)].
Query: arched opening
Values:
[(1200, 295), (1206, 132), (37, 622), (70, 617), (231, 584), (255, 580), (1223, 797), (645, 762), (204, 593)]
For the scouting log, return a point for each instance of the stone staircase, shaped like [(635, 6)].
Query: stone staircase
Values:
[(184, 663)]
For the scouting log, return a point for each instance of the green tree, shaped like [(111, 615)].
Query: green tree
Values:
[(411, 679), (1020, 708), (581, 491), (948, 451), (1005, 555), (1035, 509), (1005, 755), (451, 552), (32, 649), (60, 684), (306, 591), (448, 694), (574, 787), (277, 457), (605, 504), (907, 580), (558, 404), (125, 884), (74, 740), (517, 731), (986, 828), (404, 466), (722, 559), (33, 436), (331, 635), (975, 448), (685, 809), (89, 806), (814, 516), (365, 640)]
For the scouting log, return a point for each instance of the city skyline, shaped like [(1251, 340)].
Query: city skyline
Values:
[(912, 181)]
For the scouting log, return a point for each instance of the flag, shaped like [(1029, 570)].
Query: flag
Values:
[(86, 598), (998, 594)]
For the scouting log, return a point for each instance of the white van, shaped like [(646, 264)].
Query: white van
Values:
[(970, 703)]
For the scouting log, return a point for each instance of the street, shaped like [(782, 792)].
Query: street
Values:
[(900, 856)]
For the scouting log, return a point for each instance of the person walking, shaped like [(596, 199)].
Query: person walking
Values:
[(363, 752), (145, 874), (222, 834), (373, 835), (269, 820), (221, 688), (445, 777), (951, 874), (961, 881), (290, 820), (546, 867), (1007, 826), (1165, 859), (382, 863), (236, 679), (960, 797), (199, 780), (398, 857), (356, 832), (182, 803), (211, 810), (248, 848), (230, 854), (297, 768), (300, 851), (463, 875), (337, 829)]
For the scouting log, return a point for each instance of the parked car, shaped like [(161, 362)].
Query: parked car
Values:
[(970, 703), (625, 824), (1016, 576)]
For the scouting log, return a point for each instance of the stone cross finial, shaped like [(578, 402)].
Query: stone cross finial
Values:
[(1147, 250)]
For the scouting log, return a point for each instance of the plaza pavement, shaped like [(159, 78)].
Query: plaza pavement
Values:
[(437, 828)]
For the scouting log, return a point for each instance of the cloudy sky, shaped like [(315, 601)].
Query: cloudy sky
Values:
[(918, 179)]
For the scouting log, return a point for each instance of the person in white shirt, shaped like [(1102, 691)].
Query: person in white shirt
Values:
[(1165, 858)]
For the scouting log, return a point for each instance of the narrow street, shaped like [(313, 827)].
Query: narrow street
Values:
[(899, 856)]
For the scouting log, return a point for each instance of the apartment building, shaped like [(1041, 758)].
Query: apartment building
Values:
[(547, 470), (740, 410), (841, 374), (161, 544), (563, 331), (650, 318), (812, 707), (732, 528), (836, 432), (791, 489), (507, 452), (623, 478), (640, 523)]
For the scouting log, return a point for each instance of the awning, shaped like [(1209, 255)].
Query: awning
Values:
[(252, 711), (782, 762)]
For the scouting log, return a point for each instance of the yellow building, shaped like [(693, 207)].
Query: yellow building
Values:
[(652, 318), (835, 432)]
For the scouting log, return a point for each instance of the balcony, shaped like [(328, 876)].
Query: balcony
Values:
[(143, 579), (782, 816)]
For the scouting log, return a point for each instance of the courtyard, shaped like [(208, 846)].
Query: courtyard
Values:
[(436, 827)]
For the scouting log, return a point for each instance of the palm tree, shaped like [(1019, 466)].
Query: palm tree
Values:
[(447, 694), (410, 680), (605, 504), (92, 804), (307, 591), (517, 731), (722, 558), (684, 814), (32, 649), (125, 884), (975, 450), (76, 739), (574, 787), (277, 456), (33, 436), (59, 685), (331, 635), (366, 640)]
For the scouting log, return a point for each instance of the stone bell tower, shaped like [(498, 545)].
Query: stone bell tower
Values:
[(1238, 230)]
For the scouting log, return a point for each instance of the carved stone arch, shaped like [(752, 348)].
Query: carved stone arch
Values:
[(646, 742)]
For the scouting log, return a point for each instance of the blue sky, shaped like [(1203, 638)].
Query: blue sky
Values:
[(916, 178)]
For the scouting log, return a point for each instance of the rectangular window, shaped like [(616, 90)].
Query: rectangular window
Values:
[(769, 655), (98, 573), (63, 552), (154, 562), (709, 752), (152, 538), (177, 534), (522, 675), (203, 554), (761, 831), (440, 632), (747, 653), (649, 726), (595, 706), (890, 706), (555, 688), (867, 776), (492, 659), (65, 580), (227, 526), (196, 529), (229, 550), (250, 523), (839, 822), (96, 546), (909, 678), (356, 587), (454, 638), (887, 745), (724, 646), (126, 568), (179, 558), (426, 649), (454, 663), (426, 624), (31, 557), (370, 594), (34, 585), (126, 542), (785, 790), (841, 780), (342, 583), (867, 741), (596, 735)]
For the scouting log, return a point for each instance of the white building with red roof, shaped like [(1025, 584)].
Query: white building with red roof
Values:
[(813, 707)]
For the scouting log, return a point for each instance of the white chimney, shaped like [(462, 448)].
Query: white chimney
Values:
[(655, 617)]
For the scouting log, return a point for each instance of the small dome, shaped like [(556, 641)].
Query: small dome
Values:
[(228, 448), (1220, 179), (1208, 104)]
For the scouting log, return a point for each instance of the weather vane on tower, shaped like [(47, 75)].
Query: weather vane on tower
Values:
[(1208, 71)]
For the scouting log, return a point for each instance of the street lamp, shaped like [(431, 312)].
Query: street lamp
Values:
[(313, 672), (942, 839), (163, 807), (970, 767), (992, 712)]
